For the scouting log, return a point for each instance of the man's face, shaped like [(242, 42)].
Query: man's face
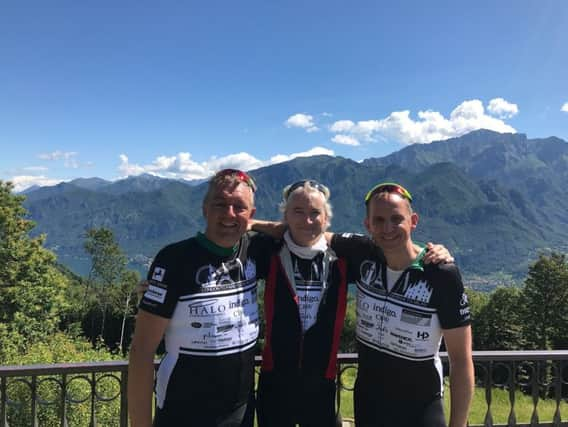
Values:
[(227, 212), (390, 221), (306, 217)]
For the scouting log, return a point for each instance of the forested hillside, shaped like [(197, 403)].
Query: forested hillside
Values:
[(495, 200)]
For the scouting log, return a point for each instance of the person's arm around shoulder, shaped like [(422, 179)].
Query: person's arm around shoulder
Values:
[(458, 345), (437, 254), (274, 229), (148, 333)]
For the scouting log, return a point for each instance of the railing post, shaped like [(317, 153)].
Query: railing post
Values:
[(512, 385), (64, 400), (124, 398), (488, 396), (338, 421), (93, 422), (534, 392), (3, 399), (556, 420), (34, 401)]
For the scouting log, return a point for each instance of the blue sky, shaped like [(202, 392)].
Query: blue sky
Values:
[(182, 88)]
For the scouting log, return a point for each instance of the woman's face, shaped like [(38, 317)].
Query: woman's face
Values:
[(305, 216)]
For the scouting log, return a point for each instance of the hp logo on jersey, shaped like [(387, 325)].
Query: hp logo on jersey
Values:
[(422, 335)]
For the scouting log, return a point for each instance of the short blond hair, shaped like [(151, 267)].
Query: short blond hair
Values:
[(222, 180)]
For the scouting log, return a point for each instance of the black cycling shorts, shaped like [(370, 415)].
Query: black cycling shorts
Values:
[(241, 416), (369, 413)]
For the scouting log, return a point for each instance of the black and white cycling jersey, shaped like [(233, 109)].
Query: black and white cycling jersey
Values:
[(399, 331), (210, 296)]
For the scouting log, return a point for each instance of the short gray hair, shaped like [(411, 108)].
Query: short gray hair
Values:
[(308, 186)]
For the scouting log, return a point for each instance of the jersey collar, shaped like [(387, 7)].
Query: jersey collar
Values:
[(213, 247), (418, 263)]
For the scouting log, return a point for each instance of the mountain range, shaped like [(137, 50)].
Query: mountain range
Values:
[(495, 200)]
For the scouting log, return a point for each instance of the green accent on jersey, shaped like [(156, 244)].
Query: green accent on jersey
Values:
[(418, 263), (213, 247)]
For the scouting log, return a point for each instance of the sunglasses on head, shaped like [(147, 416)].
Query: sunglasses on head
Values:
[(388, 187), (240, 175), (314, 184)]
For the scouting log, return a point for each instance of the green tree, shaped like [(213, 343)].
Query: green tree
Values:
[(32, 289), (545, 302), (498, 325), (348, 342), (109, 285), (477, 300)]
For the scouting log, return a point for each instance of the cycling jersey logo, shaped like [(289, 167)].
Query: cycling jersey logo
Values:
[(250, 269), (155, 293), (158, 274), (370, 274), (420, 291), (422, 335), (206, 308), (464, 301), (312, 276), (415, 318), (227, 274)]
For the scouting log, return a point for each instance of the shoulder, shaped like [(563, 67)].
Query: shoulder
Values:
[(355, 247), (177, 248), (351, 239), (261, 242), (443, 274), (443, 268)]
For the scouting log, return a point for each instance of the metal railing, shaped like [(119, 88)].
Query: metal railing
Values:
[(94, 394)]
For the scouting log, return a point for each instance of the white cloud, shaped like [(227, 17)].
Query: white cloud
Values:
[(429, 126), (502, 109), (241, 160), (342, 126), (303, 121), (68, 157), (316, 151), (182, 166), (22, 182), (58, 155), (35, 168), (564, 107), (345, 140)]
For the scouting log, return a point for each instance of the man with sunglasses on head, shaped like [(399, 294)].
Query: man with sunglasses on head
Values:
[(201, 298), (404, 308)]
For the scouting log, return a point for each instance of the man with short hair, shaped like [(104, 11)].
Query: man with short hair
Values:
[(404, 307), (202, 300)]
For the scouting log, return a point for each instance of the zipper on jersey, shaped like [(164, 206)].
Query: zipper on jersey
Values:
[(301, 344), (296, 298)]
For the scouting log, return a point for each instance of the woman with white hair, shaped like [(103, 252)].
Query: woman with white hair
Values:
[(304, 308)]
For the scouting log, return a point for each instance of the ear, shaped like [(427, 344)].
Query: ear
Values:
[(414, 220), (252, 212), (367, 224)]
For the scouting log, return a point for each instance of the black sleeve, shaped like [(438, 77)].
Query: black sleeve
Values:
[(163, 277), (261, 248), (355, 248), (451, 299)]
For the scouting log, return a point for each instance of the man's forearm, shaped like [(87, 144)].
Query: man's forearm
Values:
[(272, 228), (140, 384), (461, 392)]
